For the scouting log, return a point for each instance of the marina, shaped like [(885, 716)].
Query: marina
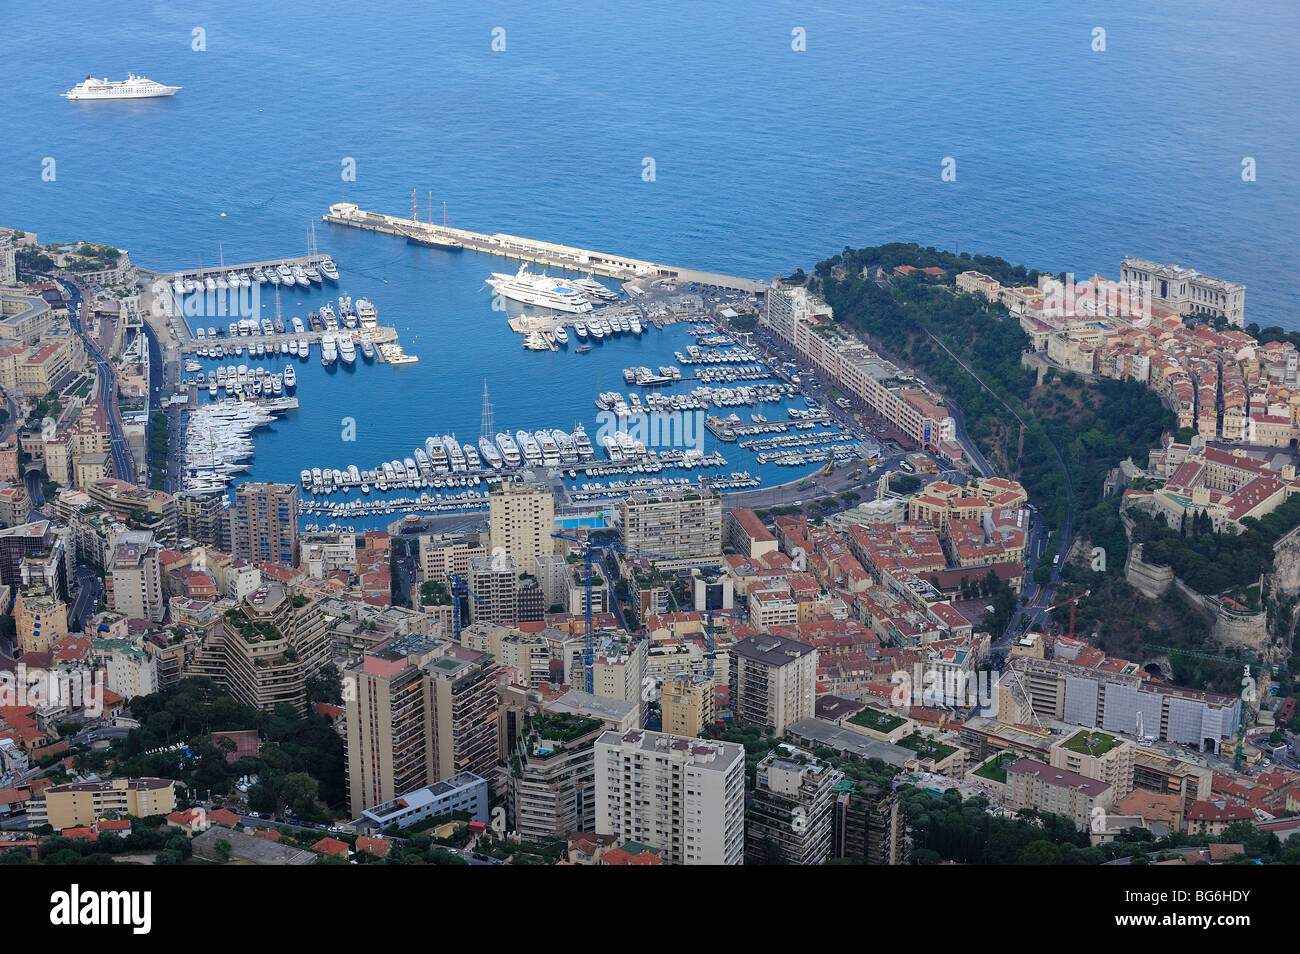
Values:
[(678, 420)]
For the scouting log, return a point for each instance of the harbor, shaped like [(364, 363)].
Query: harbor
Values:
[(698, 408)]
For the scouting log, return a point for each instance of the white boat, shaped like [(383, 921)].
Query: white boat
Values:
[(210, 283), (435, 449), (531, 450), (293, 347), (298, 327), (285, 273), (267, 327), (329, 270), (472, 461), (304, 348), (273, 276), (541, 291), (300, 276), (290, 376), (636, 325), (367, 350), (580, 329), (329, 350), (509, 450), (561, 336), (133, 87), (312, 274), (347, 350), (596, 330), (491, 456), (585, 451), (550, 449), (365, 312), (455, 456)]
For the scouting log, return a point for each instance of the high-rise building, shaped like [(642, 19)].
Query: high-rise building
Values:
[(553, 776), (684, 798), (521, 519), (264, 523), (18, 543), (266, 649), (442, 554), (134, 580), (791, 814), (687, 705), (683, 526), (419, 710), (40, 618), (203, 519), (867, 827), (773, 682)]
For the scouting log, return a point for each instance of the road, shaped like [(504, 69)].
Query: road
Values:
[(106, 379)]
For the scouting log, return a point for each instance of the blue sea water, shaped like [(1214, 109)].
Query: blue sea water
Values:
[(765, 158)]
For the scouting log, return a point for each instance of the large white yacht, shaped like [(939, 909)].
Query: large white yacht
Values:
[(541, 290)]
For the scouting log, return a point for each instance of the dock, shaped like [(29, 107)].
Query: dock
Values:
[(203, 272), (531, 250)]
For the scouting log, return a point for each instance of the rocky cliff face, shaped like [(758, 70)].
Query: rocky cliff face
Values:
[(1284, 581)]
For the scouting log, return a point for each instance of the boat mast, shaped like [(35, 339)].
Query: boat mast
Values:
[(486, 424)]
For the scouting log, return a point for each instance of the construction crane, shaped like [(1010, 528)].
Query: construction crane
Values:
[(589, 549), (459, 586), (1073, 603), (1247, 680)]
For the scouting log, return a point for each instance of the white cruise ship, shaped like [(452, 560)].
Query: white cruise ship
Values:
[(133, 87), (540, 290)]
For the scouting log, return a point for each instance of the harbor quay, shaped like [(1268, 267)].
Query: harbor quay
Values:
[(521, 249)]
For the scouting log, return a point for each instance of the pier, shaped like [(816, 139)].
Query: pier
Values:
[(213, 271), (531, 250)]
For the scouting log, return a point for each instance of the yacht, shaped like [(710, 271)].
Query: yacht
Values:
[(277, 385), (366, 313), (299, 276), (347, 350), (297, 325), (509, 450), (595, 329), (367, 350), (312, 274), (267, 327), (455, 456), (329, 350), (635, 324), (540, 290), (561, 336), (290, 377), (258, 276), (293, 347), (209, 284), (436, 449), (329, 270), (585, 451), (304, 348), (286, 274), (472, 461), (491, 456), (550, 449), (529, 447), (580, 329), (273, 276)]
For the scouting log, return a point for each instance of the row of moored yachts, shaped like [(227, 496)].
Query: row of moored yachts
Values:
[(284, 274), (243, 381)]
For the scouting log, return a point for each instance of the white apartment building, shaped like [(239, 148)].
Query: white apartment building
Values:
[(683, 797)]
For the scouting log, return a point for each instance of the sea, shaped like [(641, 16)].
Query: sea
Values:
[(750, 138)]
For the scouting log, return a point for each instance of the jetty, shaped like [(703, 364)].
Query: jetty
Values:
[(531, 250)]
